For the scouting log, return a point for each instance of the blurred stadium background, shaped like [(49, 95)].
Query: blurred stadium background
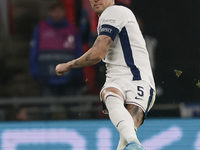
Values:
[(172, 124)]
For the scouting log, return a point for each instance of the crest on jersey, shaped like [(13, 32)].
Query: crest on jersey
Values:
[(109, 20)]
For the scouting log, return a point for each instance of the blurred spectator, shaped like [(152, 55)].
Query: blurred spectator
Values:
[(151, 43), (55, 40)]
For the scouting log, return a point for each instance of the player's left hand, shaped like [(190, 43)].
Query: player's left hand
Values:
[(62, 68)]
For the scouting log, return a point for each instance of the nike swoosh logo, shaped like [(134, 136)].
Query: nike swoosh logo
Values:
[(119, 123), (138, 98)]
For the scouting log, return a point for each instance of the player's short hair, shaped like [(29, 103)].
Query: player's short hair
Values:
[(56, 5)]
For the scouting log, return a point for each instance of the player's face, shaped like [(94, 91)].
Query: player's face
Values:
[(100, 5)]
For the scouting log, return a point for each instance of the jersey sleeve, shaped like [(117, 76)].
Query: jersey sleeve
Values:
[(112, 21)]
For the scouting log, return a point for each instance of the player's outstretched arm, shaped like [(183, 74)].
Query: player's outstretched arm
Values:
[(94, 55)]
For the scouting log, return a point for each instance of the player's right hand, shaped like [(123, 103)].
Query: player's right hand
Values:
[(62, 68)]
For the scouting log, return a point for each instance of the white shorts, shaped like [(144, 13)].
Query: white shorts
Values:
[(136, 92)]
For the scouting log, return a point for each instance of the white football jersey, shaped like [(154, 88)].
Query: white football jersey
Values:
[(127, 56)]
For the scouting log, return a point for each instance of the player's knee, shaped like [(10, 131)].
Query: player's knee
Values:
[(112, 95), (111, 91)]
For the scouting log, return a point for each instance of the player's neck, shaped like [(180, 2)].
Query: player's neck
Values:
[(99, 14)]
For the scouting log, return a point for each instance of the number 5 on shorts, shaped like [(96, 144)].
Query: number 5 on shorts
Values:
[(140, 91)]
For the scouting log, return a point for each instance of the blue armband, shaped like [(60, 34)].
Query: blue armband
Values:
[(109, 31)]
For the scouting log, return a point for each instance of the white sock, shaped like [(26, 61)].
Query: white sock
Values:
[(120, 117), (122, 143)]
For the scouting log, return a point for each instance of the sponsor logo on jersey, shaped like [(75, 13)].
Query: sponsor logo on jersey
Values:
[(109, 20)]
